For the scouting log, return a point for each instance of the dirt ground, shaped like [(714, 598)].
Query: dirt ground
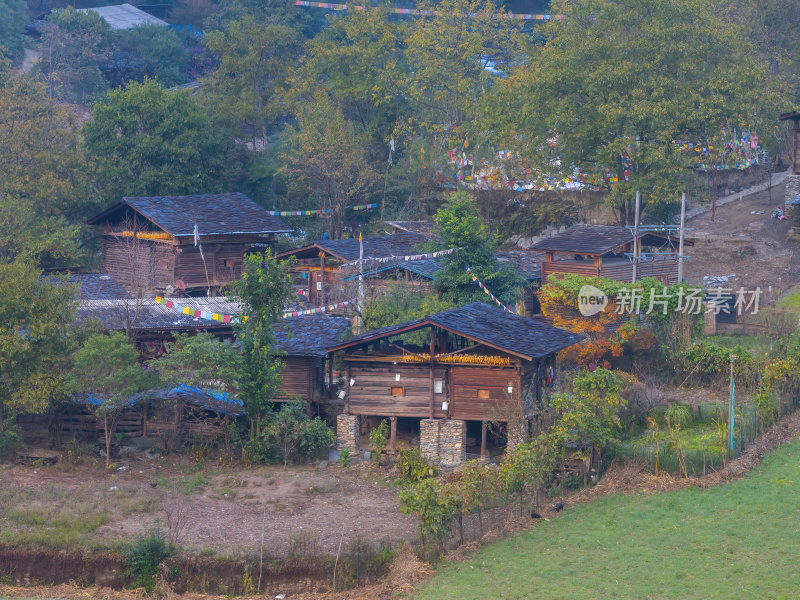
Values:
[(752, 247), (223, 510)]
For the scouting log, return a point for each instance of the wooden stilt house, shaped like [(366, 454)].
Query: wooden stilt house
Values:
[(475, 363)]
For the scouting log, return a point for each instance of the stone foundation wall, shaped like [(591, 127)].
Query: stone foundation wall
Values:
[(347, 431), (518, 433), (443, 441), (429, 440), (792, 187), (452, 442)]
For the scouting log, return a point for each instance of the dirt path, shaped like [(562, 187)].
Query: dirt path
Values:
[(745, 243), (29, 59)]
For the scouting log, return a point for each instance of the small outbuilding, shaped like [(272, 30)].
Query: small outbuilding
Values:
[(607, 251), (448, 373), (185, 244)]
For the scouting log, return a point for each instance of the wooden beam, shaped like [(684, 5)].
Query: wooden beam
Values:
[(393, 434), (483, 438), (431, 363)]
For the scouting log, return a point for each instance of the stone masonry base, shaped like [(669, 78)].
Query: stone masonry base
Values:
[(347, 427), (443, 441)]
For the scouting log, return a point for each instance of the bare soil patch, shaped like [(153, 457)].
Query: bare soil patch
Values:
[(221, 510), (752, 247)]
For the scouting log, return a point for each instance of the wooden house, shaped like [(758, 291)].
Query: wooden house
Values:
[(450, 371), (308, 373), (187, 244), (321, 268), (792, 182), (607, 251), (794, 117)]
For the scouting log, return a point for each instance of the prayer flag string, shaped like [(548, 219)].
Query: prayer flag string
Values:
[(490, 294), (316, 212), (235, 319)]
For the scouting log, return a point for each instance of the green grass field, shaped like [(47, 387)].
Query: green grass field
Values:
[(741, 540)]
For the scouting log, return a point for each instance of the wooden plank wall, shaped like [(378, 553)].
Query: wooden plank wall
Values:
[(498, 406), (300, 378), (372, 392), (77, 421), (154, 262)]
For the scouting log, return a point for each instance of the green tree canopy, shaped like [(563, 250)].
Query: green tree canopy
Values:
[(458, 225), (12, 27), (74, 45), (619, 86), (106, 368), (35, 336), (44, 189), (264, 290), (147, 141)]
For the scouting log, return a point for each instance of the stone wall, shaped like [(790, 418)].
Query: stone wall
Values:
[(518, 433), (429, 440), (443, 441), (792, 187), (347, 432), (452, 442)]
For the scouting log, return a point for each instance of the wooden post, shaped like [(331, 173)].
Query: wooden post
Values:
[(636, 237), (330, 375), (450, 392), (431, 361), (322, 278), (483, 438), (393, 434), (680, 238), (347, 390)]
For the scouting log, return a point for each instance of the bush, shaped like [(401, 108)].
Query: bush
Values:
[(287, 435), (378, 440), (144, 555), (10, 438), (412, 467)]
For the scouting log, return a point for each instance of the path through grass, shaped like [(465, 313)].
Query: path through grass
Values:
[(741, 540)]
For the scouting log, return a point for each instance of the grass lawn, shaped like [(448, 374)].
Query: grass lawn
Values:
[(741, 540)]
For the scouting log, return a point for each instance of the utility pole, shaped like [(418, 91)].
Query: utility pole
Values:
[(680, 242), (730, 416), (359, 321), (636, 237)]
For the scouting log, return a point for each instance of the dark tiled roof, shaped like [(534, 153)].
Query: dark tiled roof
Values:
[(98, 286), (527, 264), (214, 214), (399, 244), (485, 324), (587, 239), (309, 335), (422, 227), (152, 316)]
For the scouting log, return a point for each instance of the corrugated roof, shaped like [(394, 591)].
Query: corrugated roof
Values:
[(125, 16), (111, 314), (485, 324), (214, 214)]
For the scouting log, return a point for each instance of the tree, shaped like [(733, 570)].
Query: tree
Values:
[(147, 141), (617, 87), (149, 51), (327, 151), (454, 59), (402, 304), (254, 61), (36, 335), (74, 46), (44, 190), (589, 414), (264, 290), (106, 368), (459, 226), (12, 27)]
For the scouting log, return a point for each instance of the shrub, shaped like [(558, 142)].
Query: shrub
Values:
[(678, 415), (10, 438), (287, 434), (378, 440), (412, 467), (436, 510), (344, 457), (767, 405), (144, 555)]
